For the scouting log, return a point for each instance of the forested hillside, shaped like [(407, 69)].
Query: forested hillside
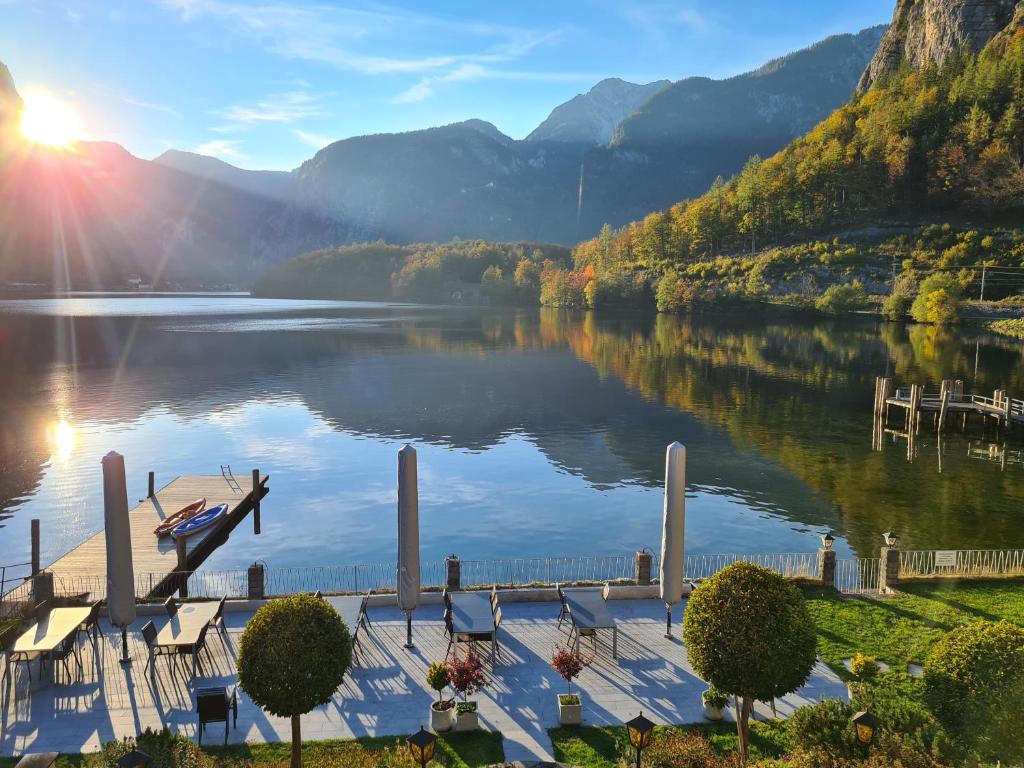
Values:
[(922, 146)]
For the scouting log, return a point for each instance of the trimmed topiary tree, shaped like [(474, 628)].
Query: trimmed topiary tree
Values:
[(293, 657), (748, 632), (974, 684)]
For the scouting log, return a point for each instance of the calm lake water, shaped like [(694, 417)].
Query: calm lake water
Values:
[(540, 433)]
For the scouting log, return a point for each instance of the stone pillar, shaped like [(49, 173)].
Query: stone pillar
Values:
[(889, 569), (42, 587), (256, 576), (642, 569), (827, 567), (453, 568)]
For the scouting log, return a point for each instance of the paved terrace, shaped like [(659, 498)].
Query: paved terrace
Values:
[(385, 692)]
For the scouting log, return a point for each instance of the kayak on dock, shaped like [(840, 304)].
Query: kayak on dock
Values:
[(199, 522), (182, 515)]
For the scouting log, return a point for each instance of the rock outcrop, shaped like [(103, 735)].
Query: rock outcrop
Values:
[(591, 117), (10, 106), (927, 31)]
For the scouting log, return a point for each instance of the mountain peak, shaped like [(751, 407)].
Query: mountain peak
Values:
[(10, 101), (486, 128), (927, 31), (592, 117)]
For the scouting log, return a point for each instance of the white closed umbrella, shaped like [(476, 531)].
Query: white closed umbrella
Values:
[(673, 531), (118, 535), (408, 537)]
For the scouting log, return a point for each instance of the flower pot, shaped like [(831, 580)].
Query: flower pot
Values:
[(714, 713), (467, 721), (570, 714), (441, 720)]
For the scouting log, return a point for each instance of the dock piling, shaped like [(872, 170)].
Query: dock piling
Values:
[(151, 492), (181, 549), (35, 546), (256, 494)]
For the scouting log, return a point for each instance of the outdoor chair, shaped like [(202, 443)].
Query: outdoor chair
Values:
[(149, 634), (218, 618), (214, 705), (563, 609), (494, 597), (318, 595), (448, 621), (497, 624), (194, 650), (170, 607), (7, 637), (42, 610), (67, 649), (90, 627), (447, 598)]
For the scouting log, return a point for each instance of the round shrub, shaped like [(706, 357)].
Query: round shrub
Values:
[(168, 750), (292, 657), (748, 632), (974, 683), (825, 726)]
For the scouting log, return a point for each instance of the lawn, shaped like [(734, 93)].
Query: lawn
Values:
[(594, 747)]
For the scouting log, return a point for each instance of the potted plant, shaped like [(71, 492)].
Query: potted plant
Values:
[(863, 670), (715, 702), (467, 677), (569, 663), (441, 711)]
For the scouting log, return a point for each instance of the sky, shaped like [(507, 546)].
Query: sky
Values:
[(264, 84)]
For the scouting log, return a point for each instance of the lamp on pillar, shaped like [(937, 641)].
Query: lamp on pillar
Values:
[(827, 541), (891, 539)]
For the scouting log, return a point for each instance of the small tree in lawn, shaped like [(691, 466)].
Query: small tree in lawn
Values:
[(292, 658), (748, 632), (568, 662), (466, 675)]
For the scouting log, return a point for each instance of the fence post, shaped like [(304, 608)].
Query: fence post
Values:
[(256, 502), (827, 567), (642, 567), (35, 547), (889, 567), (256, 582), (453, 568)]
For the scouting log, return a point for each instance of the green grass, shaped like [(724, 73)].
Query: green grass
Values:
[(461, 750), (903, 628), (597, 747)]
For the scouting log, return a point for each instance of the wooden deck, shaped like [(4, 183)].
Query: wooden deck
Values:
[(157, 562)]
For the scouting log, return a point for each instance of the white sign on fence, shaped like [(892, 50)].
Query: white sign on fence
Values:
[(945, 558)]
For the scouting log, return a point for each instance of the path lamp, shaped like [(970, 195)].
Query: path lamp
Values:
[(641, 734), (134, 759), (827, 541), (890, 538), (422, 745), (866, 725)]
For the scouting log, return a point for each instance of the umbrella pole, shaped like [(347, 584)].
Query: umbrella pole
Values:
[(408, 629), (668, 621), (125, 658)]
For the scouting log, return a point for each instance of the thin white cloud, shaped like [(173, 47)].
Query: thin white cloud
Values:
[(425, 88), (282, 108), (654, 21), (150, 105), (225, 149), (312, 139)]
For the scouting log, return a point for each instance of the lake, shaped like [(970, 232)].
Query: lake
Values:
[(539, 432)]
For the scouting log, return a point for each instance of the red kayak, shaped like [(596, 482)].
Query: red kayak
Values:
[(181, 516)]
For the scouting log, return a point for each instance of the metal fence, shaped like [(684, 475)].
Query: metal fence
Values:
[(923, 564), (858, 574), (798, 565)]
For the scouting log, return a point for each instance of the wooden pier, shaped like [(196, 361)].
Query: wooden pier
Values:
[(161, 564), (950, 401)]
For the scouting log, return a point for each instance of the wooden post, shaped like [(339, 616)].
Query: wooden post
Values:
[(256, 502), (942, 409), (182, 552), (152, 485), (35, 546)]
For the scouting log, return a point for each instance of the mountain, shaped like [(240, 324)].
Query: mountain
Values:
[(10, 107), (928, 31), (272, 184), (470, 181), (683, 137), (592, 117)]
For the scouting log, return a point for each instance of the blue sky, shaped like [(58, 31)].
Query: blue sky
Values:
[(264, 84)]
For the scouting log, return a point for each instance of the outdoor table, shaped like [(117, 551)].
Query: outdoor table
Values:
[(49, 633), (185, 627), (588, 610), (473, 616)]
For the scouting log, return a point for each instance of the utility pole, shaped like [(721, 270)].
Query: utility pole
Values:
[(982, 296)]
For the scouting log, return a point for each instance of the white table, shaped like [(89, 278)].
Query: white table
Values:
[(184, 628)]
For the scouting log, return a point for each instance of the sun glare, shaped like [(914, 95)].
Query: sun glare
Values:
[(62, 439), (46, 120)]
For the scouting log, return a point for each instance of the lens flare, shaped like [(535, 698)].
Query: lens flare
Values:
[(62, 439), (46, 120)]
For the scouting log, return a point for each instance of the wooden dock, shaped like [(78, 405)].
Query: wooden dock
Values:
[(162, 565), (949, 401)]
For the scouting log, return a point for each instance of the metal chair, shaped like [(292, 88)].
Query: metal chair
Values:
[(494, 598), (6, 638), (171, 607), (563, 610), (194, 649), (66, 650), (91, 626), (149, 634), (218, 618), (213, 705), (497, 624)]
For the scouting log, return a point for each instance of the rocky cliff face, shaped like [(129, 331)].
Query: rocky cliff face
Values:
[(928, 31), (591, 118)]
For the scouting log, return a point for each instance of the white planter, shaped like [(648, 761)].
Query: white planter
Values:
[(441, 720), (714, 713), (570, 714), (467, 721)]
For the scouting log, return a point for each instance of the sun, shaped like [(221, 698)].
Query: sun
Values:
[(46, 120)]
